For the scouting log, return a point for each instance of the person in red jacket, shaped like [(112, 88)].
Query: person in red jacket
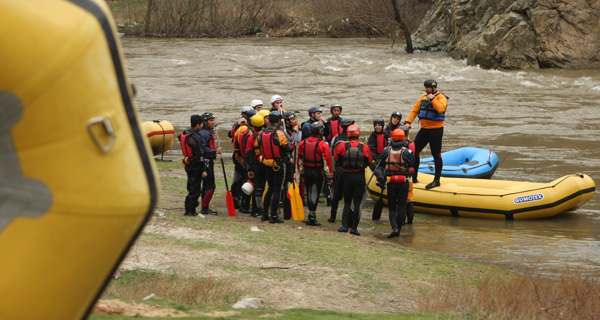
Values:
[(314, 161), (355, 157), (253, 165)]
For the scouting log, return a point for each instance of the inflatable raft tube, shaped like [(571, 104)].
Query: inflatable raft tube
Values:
[(160, 135), (77, 183), (467, 162), (497, 199)]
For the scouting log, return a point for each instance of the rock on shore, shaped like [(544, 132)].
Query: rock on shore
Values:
[(507, 34)]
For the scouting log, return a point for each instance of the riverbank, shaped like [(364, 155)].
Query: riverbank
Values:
[(200, 266)]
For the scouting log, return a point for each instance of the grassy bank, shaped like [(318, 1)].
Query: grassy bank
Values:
[(198, 267)]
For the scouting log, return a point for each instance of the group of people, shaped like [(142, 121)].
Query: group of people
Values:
[(271, 146)]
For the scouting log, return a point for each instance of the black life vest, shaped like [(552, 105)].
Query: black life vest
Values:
[(354, 158), (427, 111), (311, 157)]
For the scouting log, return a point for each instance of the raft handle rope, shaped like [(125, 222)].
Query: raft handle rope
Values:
[(109, 130)]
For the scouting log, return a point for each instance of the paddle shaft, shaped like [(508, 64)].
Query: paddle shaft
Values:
[(221, 156)]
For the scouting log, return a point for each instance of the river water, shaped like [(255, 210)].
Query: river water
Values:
[(543, 124)]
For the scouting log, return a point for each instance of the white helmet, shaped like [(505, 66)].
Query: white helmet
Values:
[(246, 108), (255, 103), (275, 98), (248, 187)]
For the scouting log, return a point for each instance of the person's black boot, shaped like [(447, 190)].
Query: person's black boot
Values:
[(206, 210), (395, 234), (433, 184), (275, 219), (410, 212)]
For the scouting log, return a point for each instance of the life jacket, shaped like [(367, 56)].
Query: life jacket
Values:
[(335, 127), (427, 111), (382, 142), (354, 158), (311, 157), (185, 147), (398, 162), (269, 147), (236, 137), (242, 141)]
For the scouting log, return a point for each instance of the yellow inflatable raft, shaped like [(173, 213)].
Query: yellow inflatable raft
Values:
[(497, 199), (160, 134), (76, 178)]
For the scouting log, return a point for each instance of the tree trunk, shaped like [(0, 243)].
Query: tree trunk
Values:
[(148, 16), (403, 27)]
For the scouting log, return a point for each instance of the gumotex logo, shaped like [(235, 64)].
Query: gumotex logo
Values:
[(529, 198)]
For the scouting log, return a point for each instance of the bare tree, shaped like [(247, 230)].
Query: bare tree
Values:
[(403, 27)]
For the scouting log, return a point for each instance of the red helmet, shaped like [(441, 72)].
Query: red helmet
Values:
[(353, 131), (398, 135)]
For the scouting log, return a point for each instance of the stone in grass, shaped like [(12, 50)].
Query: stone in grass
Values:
[(248, 303)]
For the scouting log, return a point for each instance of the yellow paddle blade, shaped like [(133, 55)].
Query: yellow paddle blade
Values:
[(296, 201)]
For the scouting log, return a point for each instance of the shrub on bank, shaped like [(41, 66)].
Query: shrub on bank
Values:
[(237, 18)]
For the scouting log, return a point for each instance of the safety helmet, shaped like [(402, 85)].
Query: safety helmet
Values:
[(289, 115), (335, 105), (263, 113), (398, 135), (353, 131), (248, 187), (396, 114), (275, 98), (346, 122), (430, 83), (257, 120), (317, 128), (313, 110), (378, 121), (246, 108), (207, 116), (274, 117), (255, 103), (403, 128), (250, 113)]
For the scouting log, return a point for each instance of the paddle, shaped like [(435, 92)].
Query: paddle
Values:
[(228, 197), (294, 196)]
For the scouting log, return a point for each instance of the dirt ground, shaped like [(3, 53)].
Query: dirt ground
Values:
[(326, 289)]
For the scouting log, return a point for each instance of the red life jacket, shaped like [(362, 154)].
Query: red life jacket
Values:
[(335, 127), (185, 148), (311, 157), (382, 142), (243, 141), (395, 164), (268, 148)]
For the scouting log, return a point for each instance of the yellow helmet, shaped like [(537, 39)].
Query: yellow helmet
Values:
[(257, 120), (264, 113)]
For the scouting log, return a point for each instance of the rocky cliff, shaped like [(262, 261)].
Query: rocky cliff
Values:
[(521, 34)]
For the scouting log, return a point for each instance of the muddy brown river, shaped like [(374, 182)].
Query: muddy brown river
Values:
[(543, 124)]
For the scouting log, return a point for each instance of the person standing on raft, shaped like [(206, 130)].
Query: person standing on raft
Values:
[(431, 109)]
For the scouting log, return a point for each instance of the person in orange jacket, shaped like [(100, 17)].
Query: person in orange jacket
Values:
[(314, 161), (431, 110), (355, 157)]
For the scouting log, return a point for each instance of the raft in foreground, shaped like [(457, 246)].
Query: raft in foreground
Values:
[(77, 182), (467, 162), (497, 199)]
